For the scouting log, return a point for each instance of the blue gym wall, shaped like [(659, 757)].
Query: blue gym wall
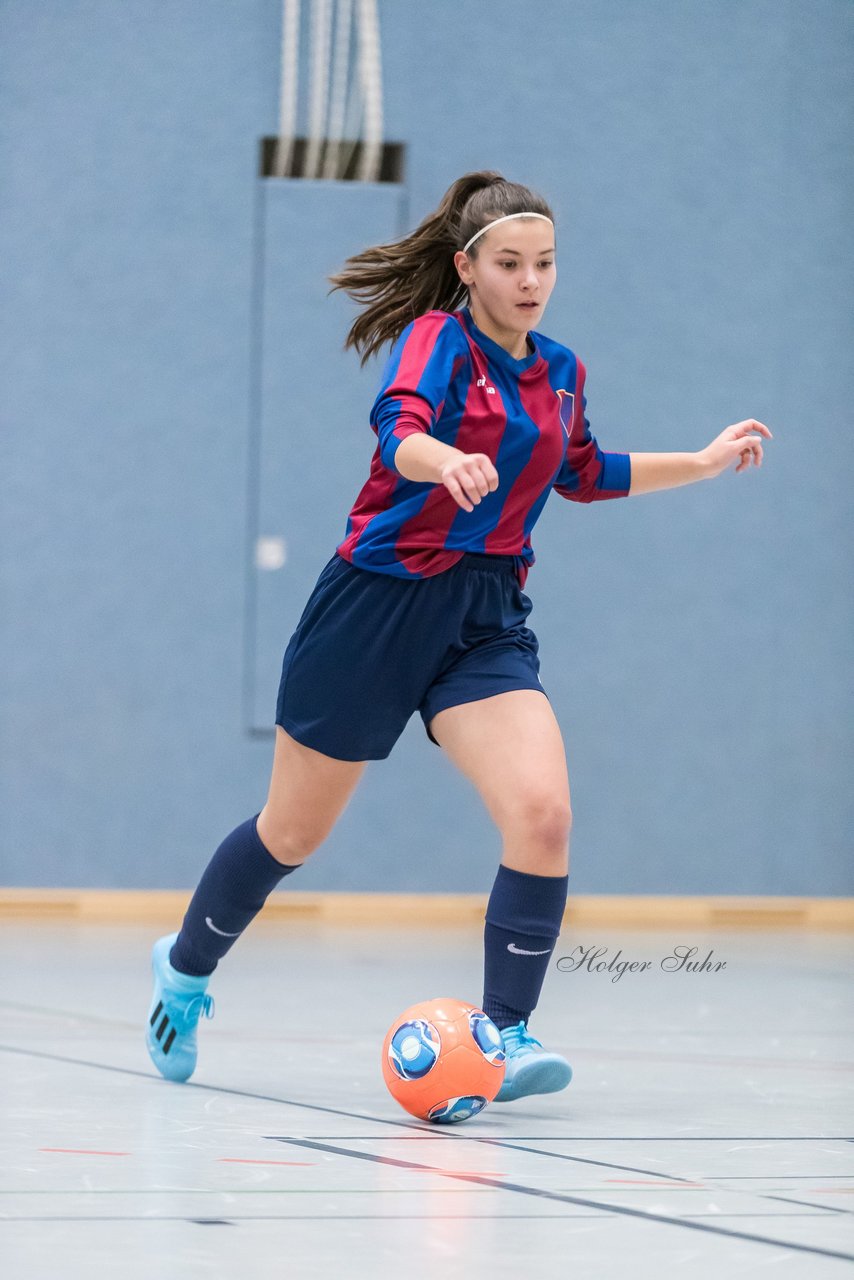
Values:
[(158, 416)]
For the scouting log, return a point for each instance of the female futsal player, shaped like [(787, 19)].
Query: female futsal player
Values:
[(421, 607)]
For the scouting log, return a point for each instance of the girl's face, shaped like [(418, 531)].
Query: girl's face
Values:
[(511, 279)]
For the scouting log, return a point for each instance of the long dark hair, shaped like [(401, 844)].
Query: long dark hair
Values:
[(399, 281)]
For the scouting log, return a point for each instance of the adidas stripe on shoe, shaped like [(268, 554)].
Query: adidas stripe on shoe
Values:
[(178, 1001)]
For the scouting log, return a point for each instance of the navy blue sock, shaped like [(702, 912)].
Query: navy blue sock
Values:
[(236, 884), (523, 919)]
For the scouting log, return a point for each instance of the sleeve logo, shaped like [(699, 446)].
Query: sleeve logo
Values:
[(566, 408)]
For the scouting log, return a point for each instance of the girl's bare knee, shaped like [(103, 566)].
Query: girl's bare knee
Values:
[(540, 821), (286, 844)]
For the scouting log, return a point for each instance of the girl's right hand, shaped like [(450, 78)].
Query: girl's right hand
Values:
[(469, 477)]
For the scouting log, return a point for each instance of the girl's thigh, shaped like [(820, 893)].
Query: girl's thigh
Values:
[(308, 793), (511, 748)]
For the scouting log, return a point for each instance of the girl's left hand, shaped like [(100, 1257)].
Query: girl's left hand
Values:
[(737, 442)]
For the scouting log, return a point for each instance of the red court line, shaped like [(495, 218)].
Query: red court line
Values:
[(75, 1151)]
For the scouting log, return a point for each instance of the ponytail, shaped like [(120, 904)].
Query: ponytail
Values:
[(399, 281)]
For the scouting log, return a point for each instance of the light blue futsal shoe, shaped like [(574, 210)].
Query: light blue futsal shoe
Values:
[(178, 1002), (530, 1069)]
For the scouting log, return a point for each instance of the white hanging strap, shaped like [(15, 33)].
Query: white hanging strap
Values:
[(321, 35), (353, 113), (370, 82), (288, 85), (338, 98), (358, 114)]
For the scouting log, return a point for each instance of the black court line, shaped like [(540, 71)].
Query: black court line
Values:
[(561, 1155), (599, 1054), (421, 1132), (574, 1137), (707, 1183), (561, 1198), (359, 1217), (669, 1137), (806, 1203), (153, 1078)]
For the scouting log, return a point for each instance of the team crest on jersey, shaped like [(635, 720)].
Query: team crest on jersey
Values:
[(566, 401)]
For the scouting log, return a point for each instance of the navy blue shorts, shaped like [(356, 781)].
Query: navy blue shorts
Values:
[(371, 649)]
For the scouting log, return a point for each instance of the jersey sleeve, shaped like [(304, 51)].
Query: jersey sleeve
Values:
[(588, 474), (415, 381)]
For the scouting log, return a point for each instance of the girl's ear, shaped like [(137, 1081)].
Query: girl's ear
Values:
[(463, 265)]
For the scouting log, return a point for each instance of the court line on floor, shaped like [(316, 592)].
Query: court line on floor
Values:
[(423, 1134), (709, 1182), (421, 1190), (420, 1134), (506, 1145), (807, 1204), (561, 1198), (126, 1025), (352, 1217), (721, 1060), (651, 1055), (152, 1078)]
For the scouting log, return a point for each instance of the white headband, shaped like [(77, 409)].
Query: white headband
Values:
[(506, 218)]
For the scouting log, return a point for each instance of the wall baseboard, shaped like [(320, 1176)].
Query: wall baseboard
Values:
[(138, 906)]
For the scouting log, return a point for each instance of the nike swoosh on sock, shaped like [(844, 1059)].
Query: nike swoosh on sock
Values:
[(221, 932), (517, 951)]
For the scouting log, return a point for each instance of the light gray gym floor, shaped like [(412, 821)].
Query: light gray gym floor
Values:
[(707, 1132)]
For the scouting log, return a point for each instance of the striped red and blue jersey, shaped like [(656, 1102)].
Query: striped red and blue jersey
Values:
[(446, 377)]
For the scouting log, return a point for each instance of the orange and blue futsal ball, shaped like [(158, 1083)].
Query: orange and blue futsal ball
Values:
[(443, 1060)]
